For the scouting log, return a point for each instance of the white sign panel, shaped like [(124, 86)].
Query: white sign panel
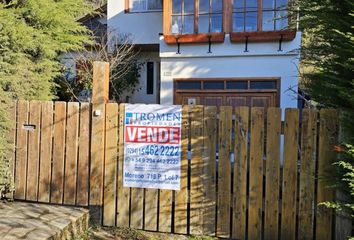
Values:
[(152, 146)]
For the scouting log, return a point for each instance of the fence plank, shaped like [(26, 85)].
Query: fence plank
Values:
[(72, 129), (58, 153), (240, 173), (256, 174), (136, 208), (224, 173), (272, 174), (165, 211), (45, 168), (197, 187), (209, 169), (123, 192), (151, 201), (12, 143), (291, 138), (111, 157), (82, 192), (21, 150), (33, 151), (181, 196), (328, 137), (307, 173)]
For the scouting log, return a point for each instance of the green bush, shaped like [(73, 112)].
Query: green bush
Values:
[(33, 35)]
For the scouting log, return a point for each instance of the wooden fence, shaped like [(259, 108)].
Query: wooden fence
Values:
[(245, 173)]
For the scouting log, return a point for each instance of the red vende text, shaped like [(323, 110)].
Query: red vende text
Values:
[(145, 134)]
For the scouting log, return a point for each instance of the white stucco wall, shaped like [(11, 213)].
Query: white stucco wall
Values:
[(228, 60), (144, 27), (140, 95)]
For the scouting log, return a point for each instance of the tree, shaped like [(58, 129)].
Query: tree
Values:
[(33, 34), (327, 53), (122, 56)]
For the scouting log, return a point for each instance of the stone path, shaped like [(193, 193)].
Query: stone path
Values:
[(20, 220)]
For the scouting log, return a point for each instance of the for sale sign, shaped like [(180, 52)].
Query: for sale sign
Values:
[(152, 146)]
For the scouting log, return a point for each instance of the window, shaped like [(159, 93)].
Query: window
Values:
[(274, 15), (246, 15), (236, 85), (185, 19), (150, 78), (263, 85), (145, 5), (217, 85), (189, 85), (182, 17), (210, 16)]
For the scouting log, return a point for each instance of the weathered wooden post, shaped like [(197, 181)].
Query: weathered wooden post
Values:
[(99, 99)]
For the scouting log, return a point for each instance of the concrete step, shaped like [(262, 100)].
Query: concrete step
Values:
[(33, 221)]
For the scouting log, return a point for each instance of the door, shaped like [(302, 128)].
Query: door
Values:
[(252, 93)]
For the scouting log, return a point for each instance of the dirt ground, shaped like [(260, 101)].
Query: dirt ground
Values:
[(101, 233)]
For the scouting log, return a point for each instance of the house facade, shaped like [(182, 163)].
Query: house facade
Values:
[(211, 52)]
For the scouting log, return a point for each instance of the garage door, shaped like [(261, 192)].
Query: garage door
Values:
[(228, 92)]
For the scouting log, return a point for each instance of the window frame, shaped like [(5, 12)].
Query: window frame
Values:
[(195, 37), (260, 11), (227, 27), (196, 16), (129, 10), (182, 14), (209, 14)]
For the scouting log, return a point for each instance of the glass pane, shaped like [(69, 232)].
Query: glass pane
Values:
[(251, 5), (187, 85), (203, 23), (138, 5), (176, 6), (154, 4), (236, 85), (263, 85), (251, 21), (282, 4), (214, 85), (268, 21), (204, 6), (238, 22), (216, 6), (176, 27), (188, 7), (216, 23), (268, 4), (238, 5), (188, 25), (281, 20)]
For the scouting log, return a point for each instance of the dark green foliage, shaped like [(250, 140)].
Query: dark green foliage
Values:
[(33, 34), (328, 51), (329, 48), (123, 59)]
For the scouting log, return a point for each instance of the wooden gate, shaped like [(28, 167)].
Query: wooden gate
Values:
[(244, 171)]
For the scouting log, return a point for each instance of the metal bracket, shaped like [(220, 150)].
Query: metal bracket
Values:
[(246, 45), (209, 42), (29, 127), (178, 46), (280, 43)]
